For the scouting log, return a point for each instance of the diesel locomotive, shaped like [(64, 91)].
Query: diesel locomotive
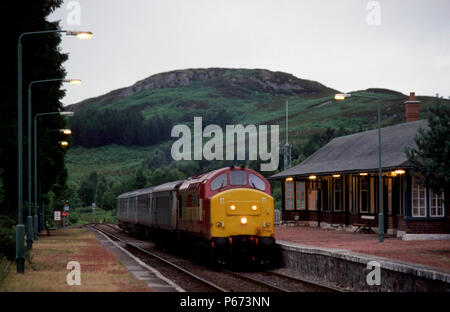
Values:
[(229, 212)]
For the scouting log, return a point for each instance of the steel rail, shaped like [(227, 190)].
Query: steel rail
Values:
[(299, 280), (173, 265), (256, 281)]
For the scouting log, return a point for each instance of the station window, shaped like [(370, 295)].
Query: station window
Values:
[(436, 204), (418, 199), (289, 195), (313, 195), (364, 194), (256, 182), (219, 182), (300, 195), (337, 190), (238, 177)]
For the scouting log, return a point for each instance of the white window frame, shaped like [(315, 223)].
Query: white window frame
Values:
[(433, 197), (420, 208)]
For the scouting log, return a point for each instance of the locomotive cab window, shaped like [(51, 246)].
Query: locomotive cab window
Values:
[(256, 182), (238, 177), (219, 182)]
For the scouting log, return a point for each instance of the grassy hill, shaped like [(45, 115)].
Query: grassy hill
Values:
[(230, 96)]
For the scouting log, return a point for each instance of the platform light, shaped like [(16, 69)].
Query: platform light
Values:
[(254, 207), (233, 207), (341, 96), (336, 175), (80, 34), (69, 114), (75, 82), (244, 220), (289, 179), (399, 171), (312, 177), (363, 174)]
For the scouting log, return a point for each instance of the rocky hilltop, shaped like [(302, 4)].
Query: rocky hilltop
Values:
[(228, 82)]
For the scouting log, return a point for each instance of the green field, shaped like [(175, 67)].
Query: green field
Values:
[(113, 161)]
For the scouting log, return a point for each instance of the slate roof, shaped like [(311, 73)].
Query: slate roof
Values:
[(359, 152)]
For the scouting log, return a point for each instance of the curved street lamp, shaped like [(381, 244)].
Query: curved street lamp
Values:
[(341, 97), (32, 225), (20, 229), (68, 114)]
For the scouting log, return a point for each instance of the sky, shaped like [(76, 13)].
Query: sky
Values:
[(348, 45)]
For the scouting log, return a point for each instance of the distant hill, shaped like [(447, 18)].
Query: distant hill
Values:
[(225, 82)]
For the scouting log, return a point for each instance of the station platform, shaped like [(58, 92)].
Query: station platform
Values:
[(344, 256), (47, 267), (435, 253)]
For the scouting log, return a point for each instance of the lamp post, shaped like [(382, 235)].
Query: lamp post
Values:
[(341, 97), (20, 229), (70, 114), (32, 225)]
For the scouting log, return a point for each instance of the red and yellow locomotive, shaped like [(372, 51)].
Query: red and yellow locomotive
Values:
[(229, 211)]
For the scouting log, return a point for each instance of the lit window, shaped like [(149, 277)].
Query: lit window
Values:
[(300, 193), (289, 195)]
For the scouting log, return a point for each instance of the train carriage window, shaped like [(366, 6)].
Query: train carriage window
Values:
[(219, 182), (238, 177), (256, 182)]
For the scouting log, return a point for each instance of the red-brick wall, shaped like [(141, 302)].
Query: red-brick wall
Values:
[(425, 226), (392, 222), (333, 217), (303, 215)]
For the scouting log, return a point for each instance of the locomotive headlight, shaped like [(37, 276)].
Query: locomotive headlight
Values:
[(243, 220), (233, 207), (254, 207)]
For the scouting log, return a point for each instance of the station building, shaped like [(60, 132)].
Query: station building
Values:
[(338, 185)]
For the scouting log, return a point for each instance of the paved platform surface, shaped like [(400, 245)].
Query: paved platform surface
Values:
[(136, 267), (434, 253), (46, 268)]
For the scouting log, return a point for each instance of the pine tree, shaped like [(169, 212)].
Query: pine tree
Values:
[(430, 158), (41, 59)]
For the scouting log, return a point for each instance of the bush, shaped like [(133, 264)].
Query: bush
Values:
[(7, 237), (73, 217)]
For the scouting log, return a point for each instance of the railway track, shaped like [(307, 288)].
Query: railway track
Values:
[(311, 286), (268, 281), (270, 286), (196, 278)]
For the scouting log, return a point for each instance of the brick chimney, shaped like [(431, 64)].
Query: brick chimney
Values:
[(412, 108)]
